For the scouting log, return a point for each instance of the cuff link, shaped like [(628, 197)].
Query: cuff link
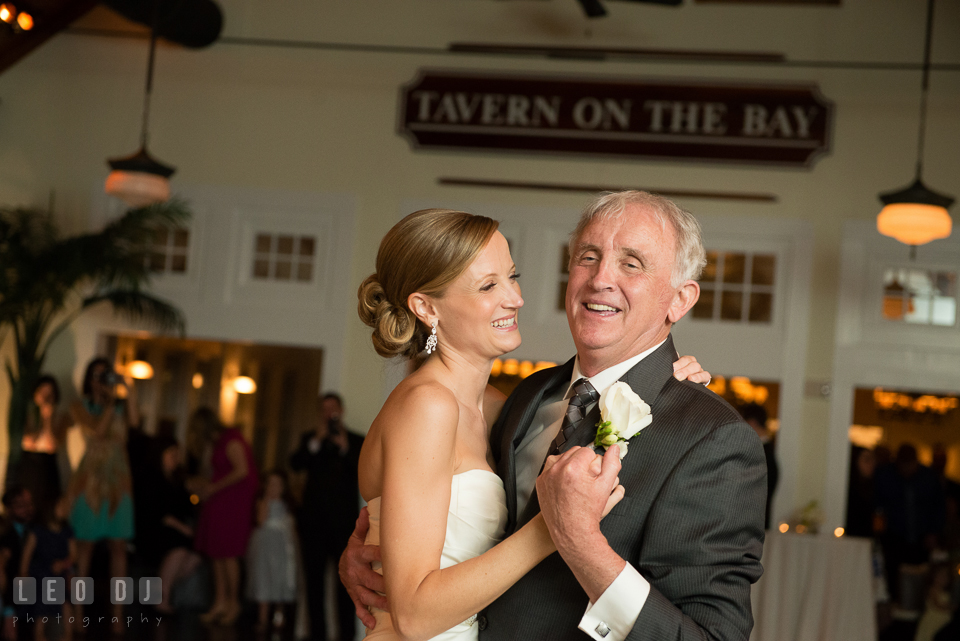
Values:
[(602, 629)]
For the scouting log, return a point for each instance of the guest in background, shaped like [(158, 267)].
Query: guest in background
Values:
[(18, 506), (226, 515), (756, 417), (49, 550), (101, 488), (328, 511), (950, 536), (38, 469), (272, 555), (911, 500), (861, 500), (166, 542)]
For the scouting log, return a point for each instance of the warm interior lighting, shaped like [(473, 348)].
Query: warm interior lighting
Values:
[(914, 223), (25, 21), (194, 499), (838, 532), (801, 528), (140, 370), (916, 214), (513, 367), (7, 12), (922, 404), (865, 436), (244, 385), (137, 188), (197, 380), (784, 528)]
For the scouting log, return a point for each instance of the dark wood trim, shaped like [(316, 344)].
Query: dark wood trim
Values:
[(593, 189), (602, 53)]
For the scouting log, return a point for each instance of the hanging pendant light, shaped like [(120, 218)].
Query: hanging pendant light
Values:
[(916, 214), (140, 179)]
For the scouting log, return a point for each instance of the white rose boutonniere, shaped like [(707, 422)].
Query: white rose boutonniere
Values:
[(623, 414)]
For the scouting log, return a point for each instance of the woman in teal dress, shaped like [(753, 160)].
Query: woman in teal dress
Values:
[(101, 486)]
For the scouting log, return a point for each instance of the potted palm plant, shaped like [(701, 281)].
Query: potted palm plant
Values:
[(47, 281)]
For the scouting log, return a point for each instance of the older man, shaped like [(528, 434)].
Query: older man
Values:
[(676, 558)]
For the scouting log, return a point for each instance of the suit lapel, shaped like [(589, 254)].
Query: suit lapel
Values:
[(518, 419)]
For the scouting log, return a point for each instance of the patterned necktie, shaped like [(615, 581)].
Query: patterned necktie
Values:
[(583, 395)]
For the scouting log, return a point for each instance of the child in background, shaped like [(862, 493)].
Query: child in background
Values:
[(272, 552), (49, 550)]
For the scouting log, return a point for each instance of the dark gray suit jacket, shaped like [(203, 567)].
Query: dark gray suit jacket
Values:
[(691, 522)]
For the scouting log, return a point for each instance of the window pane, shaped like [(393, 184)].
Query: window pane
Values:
[(562, 296), (704, 306), (761, 307), (160, 235), (763, 269), (731, 306), (178, 263), (307, 245), (945, 283), (284, 244), (158, 262), (734, 267), (181, 237), (263, 243), (305, 271), (944, 311), (261, 268), (282, 270), (710, 271)]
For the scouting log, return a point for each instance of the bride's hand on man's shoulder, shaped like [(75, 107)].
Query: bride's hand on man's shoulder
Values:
[(686, 368)]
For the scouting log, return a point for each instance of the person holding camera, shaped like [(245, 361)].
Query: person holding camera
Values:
[(329, 509), (101, 488)]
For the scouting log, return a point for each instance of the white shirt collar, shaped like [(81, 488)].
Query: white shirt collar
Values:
[(604, 379)]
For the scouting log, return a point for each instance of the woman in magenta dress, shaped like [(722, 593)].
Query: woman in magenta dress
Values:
[(226, 517)]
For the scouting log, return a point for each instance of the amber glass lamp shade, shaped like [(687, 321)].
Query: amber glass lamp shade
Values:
[(915, 215)]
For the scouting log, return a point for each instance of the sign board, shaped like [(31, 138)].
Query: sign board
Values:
[(700, 121)]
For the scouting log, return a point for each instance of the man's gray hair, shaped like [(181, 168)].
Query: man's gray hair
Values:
[(689, 255)]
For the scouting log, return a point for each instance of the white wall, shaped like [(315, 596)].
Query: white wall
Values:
[(319, 124)]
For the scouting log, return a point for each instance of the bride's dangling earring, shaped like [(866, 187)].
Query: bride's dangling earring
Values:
[(432, 339)]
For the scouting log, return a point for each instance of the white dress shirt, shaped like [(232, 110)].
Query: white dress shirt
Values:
[(612, 617)]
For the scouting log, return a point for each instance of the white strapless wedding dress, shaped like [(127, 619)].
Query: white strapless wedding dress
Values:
[(475, 523)]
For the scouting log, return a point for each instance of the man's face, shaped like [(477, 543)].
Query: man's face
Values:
[(330, 409), (21, 508), (619, 298)]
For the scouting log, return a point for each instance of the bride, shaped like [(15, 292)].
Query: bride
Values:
[(445, 282)]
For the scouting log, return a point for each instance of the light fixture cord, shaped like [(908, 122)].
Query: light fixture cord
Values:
[(925, 84), (149, 88)]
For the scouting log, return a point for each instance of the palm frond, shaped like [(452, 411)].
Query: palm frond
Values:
[(139, 306)]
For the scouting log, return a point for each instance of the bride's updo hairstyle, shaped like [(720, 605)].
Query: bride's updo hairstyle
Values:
[(424, 252)]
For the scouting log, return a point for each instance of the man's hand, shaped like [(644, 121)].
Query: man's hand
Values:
[(688, 369), (575, 492), (364, 586)]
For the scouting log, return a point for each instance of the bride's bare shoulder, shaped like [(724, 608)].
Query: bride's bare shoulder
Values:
[(421, 403)]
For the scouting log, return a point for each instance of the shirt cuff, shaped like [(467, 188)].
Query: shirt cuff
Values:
[(612, 617)]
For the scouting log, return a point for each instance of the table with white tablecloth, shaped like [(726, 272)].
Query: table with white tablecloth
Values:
[(815, 588)]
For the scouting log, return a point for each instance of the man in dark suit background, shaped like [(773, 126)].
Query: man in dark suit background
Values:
[(331, 502), (676, 558)]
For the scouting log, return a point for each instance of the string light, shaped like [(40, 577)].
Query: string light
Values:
[(8, 13)]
